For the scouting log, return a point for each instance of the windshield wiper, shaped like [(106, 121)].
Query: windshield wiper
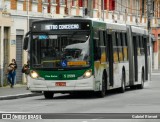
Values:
[(37, 65)]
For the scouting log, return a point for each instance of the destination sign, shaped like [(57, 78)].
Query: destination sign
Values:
[(62, 27), (56, 26)]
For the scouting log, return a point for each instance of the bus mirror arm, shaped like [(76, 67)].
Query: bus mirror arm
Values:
[(25, 43), (27, 34), (26, 40)]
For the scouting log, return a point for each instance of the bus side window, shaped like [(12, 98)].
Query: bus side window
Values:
[(103, 55), (138, 45), (115, 50), (96, 49), (105, 35), (96, 43), (109, 46), (146, 50), (120, 52), (101, 38), (142, 45), (99, 47), (125, 46), (122, 45)]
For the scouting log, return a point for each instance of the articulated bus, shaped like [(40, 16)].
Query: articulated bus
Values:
[(77, 54)]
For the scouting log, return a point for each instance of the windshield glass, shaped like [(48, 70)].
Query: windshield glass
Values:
[(61, 51)]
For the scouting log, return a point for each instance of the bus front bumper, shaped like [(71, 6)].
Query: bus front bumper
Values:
[(71, 85)]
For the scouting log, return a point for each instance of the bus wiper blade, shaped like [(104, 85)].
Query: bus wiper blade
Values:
[(37, 65)]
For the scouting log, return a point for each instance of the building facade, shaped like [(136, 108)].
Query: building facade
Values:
[(16, 17), (5, 29)]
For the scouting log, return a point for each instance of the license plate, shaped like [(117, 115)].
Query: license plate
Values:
[(60, 84)]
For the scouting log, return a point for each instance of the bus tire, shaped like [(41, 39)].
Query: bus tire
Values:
[(122, 89), (102, 93), (48, 94), (141, 86)]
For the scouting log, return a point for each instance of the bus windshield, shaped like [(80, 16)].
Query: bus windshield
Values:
[(58, 51)]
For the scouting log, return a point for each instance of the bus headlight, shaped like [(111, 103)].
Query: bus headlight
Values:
[(34, 74), (87, 74)]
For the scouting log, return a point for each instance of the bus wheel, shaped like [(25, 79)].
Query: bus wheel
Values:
[(122, 89), (141, 86), (102, 93), (48, 94)]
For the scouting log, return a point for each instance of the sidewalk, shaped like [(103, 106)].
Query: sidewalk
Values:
[(156, 70), (19, 91)]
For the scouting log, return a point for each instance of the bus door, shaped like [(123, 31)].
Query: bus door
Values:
[(109, 50), (135, 48)]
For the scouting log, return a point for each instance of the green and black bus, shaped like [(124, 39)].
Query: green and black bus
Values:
[(78, 54)]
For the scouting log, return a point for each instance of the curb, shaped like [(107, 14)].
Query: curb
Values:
[(17, 96)]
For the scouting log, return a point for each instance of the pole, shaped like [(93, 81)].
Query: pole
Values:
[(27, 3), (2, 55), (149, 15), (103, 10), (90, 8), (83, 9)]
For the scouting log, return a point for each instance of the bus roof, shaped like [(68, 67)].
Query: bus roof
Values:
[(139, 30), (116, 26)]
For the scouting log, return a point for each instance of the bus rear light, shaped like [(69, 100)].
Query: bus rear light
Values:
[(34, 74)]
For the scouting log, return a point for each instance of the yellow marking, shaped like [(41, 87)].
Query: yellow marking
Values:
[(125, 53), (72, 63), (115, 56), (120, 56), (97, 64), (103, 57)]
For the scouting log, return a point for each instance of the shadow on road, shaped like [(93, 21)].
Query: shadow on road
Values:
[(87, 95)]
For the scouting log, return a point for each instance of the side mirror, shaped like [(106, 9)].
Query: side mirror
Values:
[(25, 43)]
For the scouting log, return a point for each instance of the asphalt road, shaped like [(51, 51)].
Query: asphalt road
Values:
[(146, 100)]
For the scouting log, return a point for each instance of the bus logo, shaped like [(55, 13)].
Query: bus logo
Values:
[(64, 63)]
